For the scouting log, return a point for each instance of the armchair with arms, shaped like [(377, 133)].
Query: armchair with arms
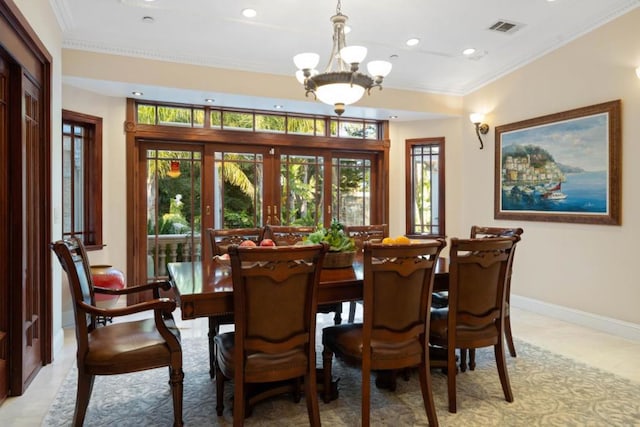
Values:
[(120, 347)]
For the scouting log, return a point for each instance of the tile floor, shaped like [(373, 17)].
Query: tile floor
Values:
[(595, 348)]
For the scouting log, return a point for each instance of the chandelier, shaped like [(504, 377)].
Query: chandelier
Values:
[(341, 83)]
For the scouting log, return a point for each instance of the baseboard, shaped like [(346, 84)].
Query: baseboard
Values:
[(67, 319), (58, 342), (616, 327)]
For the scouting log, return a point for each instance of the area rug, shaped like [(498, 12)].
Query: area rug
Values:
[(549, 390)]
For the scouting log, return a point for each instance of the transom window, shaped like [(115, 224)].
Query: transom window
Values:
[(255, 121)]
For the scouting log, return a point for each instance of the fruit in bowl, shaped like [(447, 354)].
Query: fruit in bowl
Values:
[(399, 240), (249, 243), (267, 242)]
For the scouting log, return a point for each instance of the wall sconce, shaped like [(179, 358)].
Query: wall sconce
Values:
[(481, 127), (174, 171), (638, 72)]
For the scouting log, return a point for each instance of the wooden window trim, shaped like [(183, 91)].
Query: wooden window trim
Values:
[(409, 144), (93, 175)]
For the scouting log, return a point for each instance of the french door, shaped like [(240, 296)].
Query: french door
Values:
[(188, 188)]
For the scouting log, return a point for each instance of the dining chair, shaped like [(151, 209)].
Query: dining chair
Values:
[(284, 235), (274, 296), (475, 316), (220, 240), (398, 283), (361, 234), (491, 232), (119, 347)]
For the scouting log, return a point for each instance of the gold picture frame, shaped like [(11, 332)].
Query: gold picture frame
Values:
[(562, 167)]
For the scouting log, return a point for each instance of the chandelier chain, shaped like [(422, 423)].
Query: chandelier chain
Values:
[(338, 7)]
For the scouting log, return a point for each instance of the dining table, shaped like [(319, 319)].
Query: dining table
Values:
[(205, 288)]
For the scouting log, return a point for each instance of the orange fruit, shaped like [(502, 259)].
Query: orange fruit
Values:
[(387, 241), (402, 240)]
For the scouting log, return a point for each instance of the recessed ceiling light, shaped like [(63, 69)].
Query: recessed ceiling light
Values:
[(413, 41), (249, 13), (393, 117), (136, 93), (148, 19), (468, 51), (210, 100), (278, 107)]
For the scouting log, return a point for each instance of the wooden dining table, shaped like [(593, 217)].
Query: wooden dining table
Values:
[(205, 289)]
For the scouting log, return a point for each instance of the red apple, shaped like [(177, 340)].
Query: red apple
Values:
[(267, 242), (248, 243)]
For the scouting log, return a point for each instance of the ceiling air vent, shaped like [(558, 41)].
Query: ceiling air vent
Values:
[(506, 27)]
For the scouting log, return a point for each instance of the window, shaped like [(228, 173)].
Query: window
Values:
[(425, 187), (82, 178)]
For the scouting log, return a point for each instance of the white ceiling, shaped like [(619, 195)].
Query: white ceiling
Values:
[(214, 33)]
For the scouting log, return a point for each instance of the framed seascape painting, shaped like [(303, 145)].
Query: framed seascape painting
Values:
[(564, 167)]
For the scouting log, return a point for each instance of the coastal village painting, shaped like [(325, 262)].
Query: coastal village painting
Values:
[(561, 167)]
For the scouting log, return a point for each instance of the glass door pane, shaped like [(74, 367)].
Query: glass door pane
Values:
[(238, 195), (351, 191), (301, 190), (174, 208)]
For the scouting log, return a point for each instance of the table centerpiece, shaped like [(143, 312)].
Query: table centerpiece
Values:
[(342, 248)]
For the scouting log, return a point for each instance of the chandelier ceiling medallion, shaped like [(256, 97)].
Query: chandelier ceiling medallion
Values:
[(341, 83)]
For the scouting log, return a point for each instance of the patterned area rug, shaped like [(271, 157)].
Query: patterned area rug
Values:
[(549, 390)]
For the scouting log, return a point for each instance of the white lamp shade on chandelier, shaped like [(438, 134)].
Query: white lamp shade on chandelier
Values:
[(341, 83)]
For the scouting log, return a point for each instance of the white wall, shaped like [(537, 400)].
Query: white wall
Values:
[(112, 111), (588, 270)]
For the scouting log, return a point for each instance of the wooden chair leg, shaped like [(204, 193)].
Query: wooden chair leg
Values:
[(85, 386), (508, 336), (239, 400), (297, 385), (176, 379), (219, 391), (463, 360), (451, 378), (498, 350), (327, 359), (366, 392), (311, 395), (214, 328), (472, 359), (337, 318), (427, 392), (352, 311)]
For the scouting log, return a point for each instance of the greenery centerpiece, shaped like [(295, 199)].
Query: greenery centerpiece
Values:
[(342, 248)]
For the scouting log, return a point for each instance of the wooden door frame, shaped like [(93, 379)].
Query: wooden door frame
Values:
[(29, 55)]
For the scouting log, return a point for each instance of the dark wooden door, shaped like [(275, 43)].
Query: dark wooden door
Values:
[(31, 277), (25, 203), (4, 284)]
